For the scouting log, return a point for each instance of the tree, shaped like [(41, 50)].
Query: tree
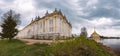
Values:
[(83, 31), (10, 20)]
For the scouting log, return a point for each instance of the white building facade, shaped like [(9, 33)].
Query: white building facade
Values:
[(52, 25)]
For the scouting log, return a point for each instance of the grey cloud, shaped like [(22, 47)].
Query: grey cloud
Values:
[(64, 5), (116, 24), (104, 8), (110, 3), (101, 9), (8, 1), (78, 18), (1, 13), (51, 4)]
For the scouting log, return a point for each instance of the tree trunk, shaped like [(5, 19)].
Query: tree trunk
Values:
[(10, 39)]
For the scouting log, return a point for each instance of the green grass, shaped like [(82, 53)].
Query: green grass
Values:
[(80, 46), (18, 48)]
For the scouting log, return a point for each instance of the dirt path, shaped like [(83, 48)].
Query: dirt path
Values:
[(33, 41)]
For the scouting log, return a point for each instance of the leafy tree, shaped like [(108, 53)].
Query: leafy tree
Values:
[(83, 31), (10, 20)]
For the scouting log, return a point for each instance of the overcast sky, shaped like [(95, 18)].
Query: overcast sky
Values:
[(102, 14)]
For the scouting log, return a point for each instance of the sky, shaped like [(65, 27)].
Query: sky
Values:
[(104, 15)]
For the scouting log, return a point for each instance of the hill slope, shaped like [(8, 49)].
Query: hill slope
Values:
[(79, 46)]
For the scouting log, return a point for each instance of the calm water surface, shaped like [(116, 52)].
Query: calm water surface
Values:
[(113, 43)]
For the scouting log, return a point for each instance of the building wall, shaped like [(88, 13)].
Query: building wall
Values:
[(49, 24)]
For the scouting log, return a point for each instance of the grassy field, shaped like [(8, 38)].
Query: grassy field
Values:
[(79, 46), (18, 48)]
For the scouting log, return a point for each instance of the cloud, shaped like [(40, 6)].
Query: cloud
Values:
[(68, 7), (100, 8), (92, 2), (8, 1), (24, 7), (102, 14), (110, 32), (20, 27), (101, 21)]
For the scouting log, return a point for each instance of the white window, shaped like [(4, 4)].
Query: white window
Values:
[(51, 21), (44, 26), (40, 24)]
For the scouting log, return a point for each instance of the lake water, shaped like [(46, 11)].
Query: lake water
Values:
[(112, 43)]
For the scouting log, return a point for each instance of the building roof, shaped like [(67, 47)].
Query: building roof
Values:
[(95, 33), (47, 15), (95, 36)]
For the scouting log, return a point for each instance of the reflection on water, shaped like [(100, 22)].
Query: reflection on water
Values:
[(113, 43)]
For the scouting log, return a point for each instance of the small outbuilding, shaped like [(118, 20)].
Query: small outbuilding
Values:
[(95, 36)]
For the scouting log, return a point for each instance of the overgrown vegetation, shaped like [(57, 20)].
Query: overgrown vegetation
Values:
[(79, 46)]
